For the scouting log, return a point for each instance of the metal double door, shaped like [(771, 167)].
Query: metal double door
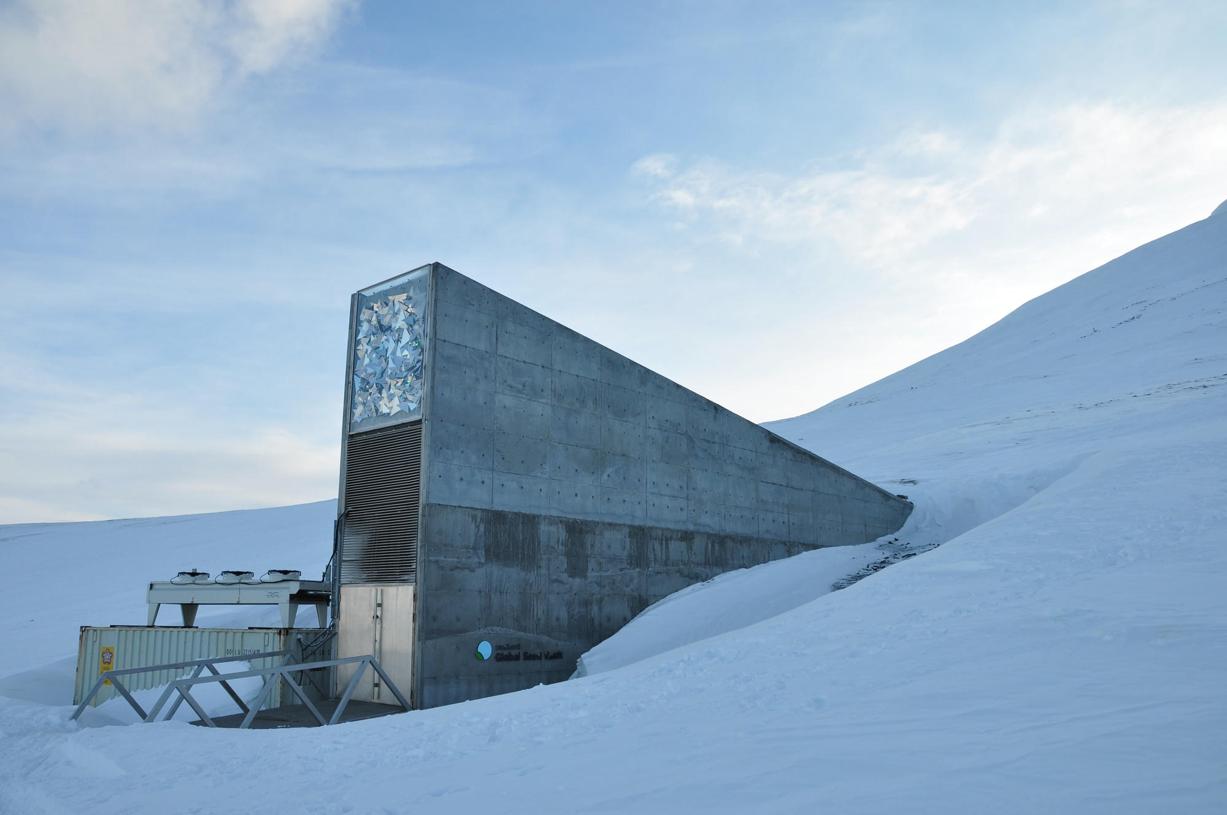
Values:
[(378, 620)]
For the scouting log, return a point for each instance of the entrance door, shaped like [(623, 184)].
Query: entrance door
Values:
[(377, 620)]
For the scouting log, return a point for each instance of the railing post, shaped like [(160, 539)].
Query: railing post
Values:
[(123, 691), (301, 694), (259, 701), (350, 687), (229, 690), (197, 671), (88, 698), (391, 685), (204, 717)]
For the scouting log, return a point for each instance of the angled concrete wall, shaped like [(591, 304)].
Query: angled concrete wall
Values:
[(566, 488), (527, 415)]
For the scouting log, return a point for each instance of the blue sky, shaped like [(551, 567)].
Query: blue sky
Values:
[(772, 203)]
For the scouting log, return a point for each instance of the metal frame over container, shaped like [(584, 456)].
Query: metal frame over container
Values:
[(512, 492), (123, 647)]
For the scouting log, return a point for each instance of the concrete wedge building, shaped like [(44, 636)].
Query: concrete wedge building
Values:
[(512, 492)]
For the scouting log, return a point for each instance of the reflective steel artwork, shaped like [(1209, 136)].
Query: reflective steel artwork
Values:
[(388, 357)]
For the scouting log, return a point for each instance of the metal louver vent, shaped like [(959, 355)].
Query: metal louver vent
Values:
[(383, 474)]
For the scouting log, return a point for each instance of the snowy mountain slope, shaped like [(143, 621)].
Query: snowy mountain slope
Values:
[(63, 576), (1132, 336), (1064, 650)]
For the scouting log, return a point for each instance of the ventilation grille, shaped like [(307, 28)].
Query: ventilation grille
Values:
[(383, 474)]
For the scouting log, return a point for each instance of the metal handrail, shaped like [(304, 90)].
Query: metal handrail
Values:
[(198, 664), (272, 674)]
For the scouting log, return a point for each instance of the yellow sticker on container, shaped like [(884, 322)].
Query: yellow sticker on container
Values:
[(106, 661)]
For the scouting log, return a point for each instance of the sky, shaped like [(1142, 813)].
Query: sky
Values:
[(773, 204)]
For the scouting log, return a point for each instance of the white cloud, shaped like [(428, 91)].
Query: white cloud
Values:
[(658, 165), (1053, 193), (267, 33), (68, 65), (884, 257), (1097, 174), (72, 448), (132, 465)]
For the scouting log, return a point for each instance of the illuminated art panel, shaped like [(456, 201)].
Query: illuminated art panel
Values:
[(389, 353)]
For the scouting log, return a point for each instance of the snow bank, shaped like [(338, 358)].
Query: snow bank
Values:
[(726, 603)]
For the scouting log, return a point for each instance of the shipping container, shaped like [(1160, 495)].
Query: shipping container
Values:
[(119, 647)]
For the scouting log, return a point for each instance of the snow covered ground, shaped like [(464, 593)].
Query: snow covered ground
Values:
[(1064, 649)]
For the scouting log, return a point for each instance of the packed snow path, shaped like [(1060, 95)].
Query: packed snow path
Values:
[(1065, 650)]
